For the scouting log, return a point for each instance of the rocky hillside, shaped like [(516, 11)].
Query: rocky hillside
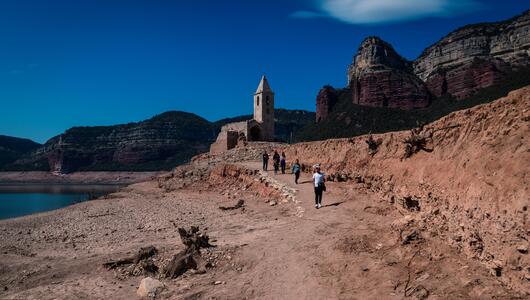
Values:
[(463, 178), (12, 148), (159, 143), (458, 66)]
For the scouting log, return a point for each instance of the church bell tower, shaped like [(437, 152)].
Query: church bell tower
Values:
[(264, 109)]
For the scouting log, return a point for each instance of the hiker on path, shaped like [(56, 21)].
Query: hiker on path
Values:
[(265, 160), (276, 161), (318, 180), (282, 162), (296, 171)]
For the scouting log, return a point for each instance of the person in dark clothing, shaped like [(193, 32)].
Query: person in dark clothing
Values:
[(265, 160), (318, 180), (282, 163), (276, 161), (296, 171)]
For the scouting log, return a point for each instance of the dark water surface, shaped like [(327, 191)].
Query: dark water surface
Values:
[(24, 199)]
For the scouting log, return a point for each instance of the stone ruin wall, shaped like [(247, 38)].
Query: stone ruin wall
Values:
[(228, 138)]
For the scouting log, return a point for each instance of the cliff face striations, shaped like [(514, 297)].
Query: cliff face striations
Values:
[(158, 143), (475, 56), (459, 65), (380, 77)]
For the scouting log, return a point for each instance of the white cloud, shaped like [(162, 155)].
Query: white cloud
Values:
[(386, 11)]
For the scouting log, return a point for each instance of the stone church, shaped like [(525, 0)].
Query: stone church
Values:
[(260, 128)]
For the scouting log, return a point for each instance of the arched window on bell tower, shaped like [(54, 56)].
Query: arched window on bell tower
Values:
[(257, 100)]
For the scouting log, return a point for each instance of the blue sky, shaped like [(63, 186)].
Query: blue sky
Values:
[(94, 62)]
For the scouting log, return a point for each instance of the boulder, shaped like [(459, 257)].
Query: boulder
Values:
[(149, 288)]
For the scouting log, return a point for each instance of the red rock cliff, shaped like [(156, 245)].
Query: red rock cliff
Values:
[(326, 99), (475, 56), (380, 77)]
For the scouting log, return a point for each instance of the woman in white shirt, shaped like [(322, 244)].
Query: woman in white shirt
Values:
[(318, 180)]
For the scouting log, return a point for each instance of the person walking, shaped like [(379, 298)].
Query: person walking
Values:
[(282, 162), (296, 171), (320, 187), (265, 160), (276, 161)]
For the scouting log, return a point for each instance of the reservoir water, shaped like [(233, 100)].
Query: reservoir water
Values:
[(23, 199)]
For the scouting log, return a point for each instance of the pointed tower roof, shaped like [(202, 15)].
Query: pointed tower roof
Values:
[(264, 86)]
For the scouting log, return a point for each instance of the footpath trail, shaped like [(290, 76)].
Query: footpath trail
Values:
[(329, 253), (348, 250)]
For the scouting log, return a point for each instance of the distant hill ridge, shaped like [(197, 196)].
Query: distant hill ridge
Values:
[(11, 148), (159, 143)]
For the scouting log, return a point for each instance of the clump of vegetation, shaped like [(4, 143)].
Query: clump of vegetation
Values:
[(373, 145), (417, 141)]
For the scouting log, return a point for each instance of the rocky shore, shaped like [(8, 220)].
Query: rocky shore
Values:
[(38, 177)]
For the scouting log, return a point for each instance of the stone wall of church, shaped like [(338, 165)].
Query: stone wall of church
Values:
[(237, 126), (228, 138)]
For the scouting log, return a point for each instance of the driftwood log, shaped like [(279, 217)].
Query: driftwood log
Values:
[(143, 254), (238, 205), (190, 257)]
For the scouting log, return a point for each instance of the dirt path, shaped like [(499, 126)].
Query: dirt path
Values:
[(349, 249)]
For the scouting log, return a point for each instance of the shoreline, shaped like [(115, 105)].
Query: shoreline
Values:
[(77, 178)]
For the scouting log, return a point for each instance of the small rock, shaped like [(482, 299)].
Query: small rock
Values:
[(272, 203), (522, 249), (410, 235), (497, 270), (218, 282), (420, 293), (149, 288)]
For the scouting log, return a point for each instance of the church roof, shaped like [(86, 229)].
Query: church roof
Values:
[(264, 86)]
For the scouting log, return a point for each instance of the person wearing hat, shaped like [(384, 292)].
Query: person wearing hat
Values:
[(318, 180)]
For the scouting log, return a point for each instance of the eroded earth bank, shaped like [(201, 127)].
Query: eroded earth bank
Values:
[(440, 212)]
